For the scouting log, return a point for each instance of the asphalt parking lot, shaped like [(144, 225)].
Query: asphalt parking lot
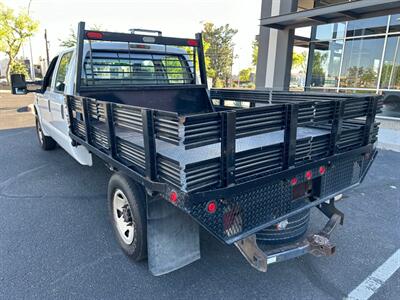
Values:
[(56, 240), (14, 111)]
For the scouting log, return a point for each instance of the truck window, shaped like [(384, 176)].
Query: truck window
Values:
[(49, 74), (62, 71), (122, 68)]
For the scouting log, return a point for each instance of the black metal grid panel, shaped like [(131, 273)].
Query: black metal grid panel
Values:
[(245, 210), (340, 175), (250, 208)]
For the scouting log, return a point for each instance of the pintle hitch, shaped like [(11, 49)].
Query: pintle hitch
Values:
[(317, 244)]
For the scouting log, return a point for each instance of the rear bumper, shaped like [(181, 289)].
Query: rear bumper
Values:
[(246, 208), (317, 244)]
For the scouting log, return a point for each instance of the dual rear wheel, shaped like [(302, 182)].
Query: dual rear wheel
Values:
[(127, 210)]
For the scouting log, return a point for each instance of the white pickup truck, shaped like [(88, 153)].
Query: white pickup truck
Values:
[(245, 165)]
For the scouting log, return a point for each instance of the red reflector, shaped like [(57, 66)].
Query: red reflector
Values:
[(293, 181), (173, 197), (93, 35), (211, 207), (192, 43), (322, 170), (308, 175)]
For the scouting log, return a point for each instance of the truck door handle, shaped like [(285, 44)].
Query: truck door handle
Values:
[(48, 105), (62, 111)]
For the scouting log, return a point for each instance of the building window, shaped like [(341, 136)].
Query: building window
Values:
[(330, 31), (394, 23), (367, 26), (319, 3), (390, 78), (361, 62), (326, 63)]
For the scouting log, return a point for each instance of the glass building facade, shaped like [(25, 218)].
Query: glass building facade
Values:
[(359, 56)]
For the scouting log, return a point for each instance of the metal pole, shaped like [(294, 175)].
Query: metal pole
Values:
[(378, 84), (47, 48), (30, 49), (341, 58)]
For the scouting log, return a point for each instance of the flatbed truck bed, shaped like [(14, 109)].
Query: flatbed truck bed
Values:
[(245, 165)]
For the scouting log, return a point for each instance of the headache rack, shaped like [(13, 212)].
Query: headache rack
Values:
[(98, 66)]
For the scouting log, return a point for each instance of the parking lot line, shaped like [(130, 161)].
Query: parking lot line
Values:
[(374, 281)]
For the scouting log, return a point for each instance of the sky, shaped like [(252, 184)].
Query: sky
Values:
[(180, 18)]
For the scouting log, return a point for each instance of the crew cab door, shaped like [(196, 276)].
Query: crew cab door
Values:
[(43, 100), (57, 104)]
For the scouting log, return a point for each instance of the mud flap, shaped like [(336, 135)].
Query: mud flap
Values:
[(172, 237)]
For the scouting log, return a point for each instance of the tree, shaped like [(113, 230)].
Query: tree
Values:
[(368, 77), (318, 71), (15, 29), (219, 45), (19, 67), (299, 61), (70, 40), (254, 54), (244, 74)]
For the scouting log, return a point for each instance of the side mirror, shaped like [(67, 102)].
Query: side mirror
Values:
[(18, 84)]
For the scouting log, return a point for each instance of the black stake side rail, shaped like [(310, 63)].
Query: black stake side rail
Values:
[(95, 124), (99, 122), (103, 141), (272, 115), (313, 107)]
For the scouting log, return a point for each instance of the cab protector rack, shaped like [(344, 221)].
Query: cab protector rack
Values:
[(247, 201), (90, 36)]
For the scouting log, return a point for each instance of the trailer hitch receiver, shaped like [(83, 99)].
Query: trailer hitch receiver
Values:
[(317, 244)]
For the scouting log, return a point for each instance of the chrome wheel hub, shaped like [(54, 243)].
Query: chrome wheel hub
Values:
[(123, 217)]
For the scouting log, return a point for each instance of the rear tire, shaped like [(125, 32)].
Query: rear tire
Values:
[(46, 142), (295, 229), (127, 211)]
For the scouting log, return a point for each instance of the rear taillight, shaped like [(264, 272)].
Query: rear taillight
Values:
[(308, 175), (94, 35), (322, 170), (211, 207), (293, 181), (173, 197), (192, 43)]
